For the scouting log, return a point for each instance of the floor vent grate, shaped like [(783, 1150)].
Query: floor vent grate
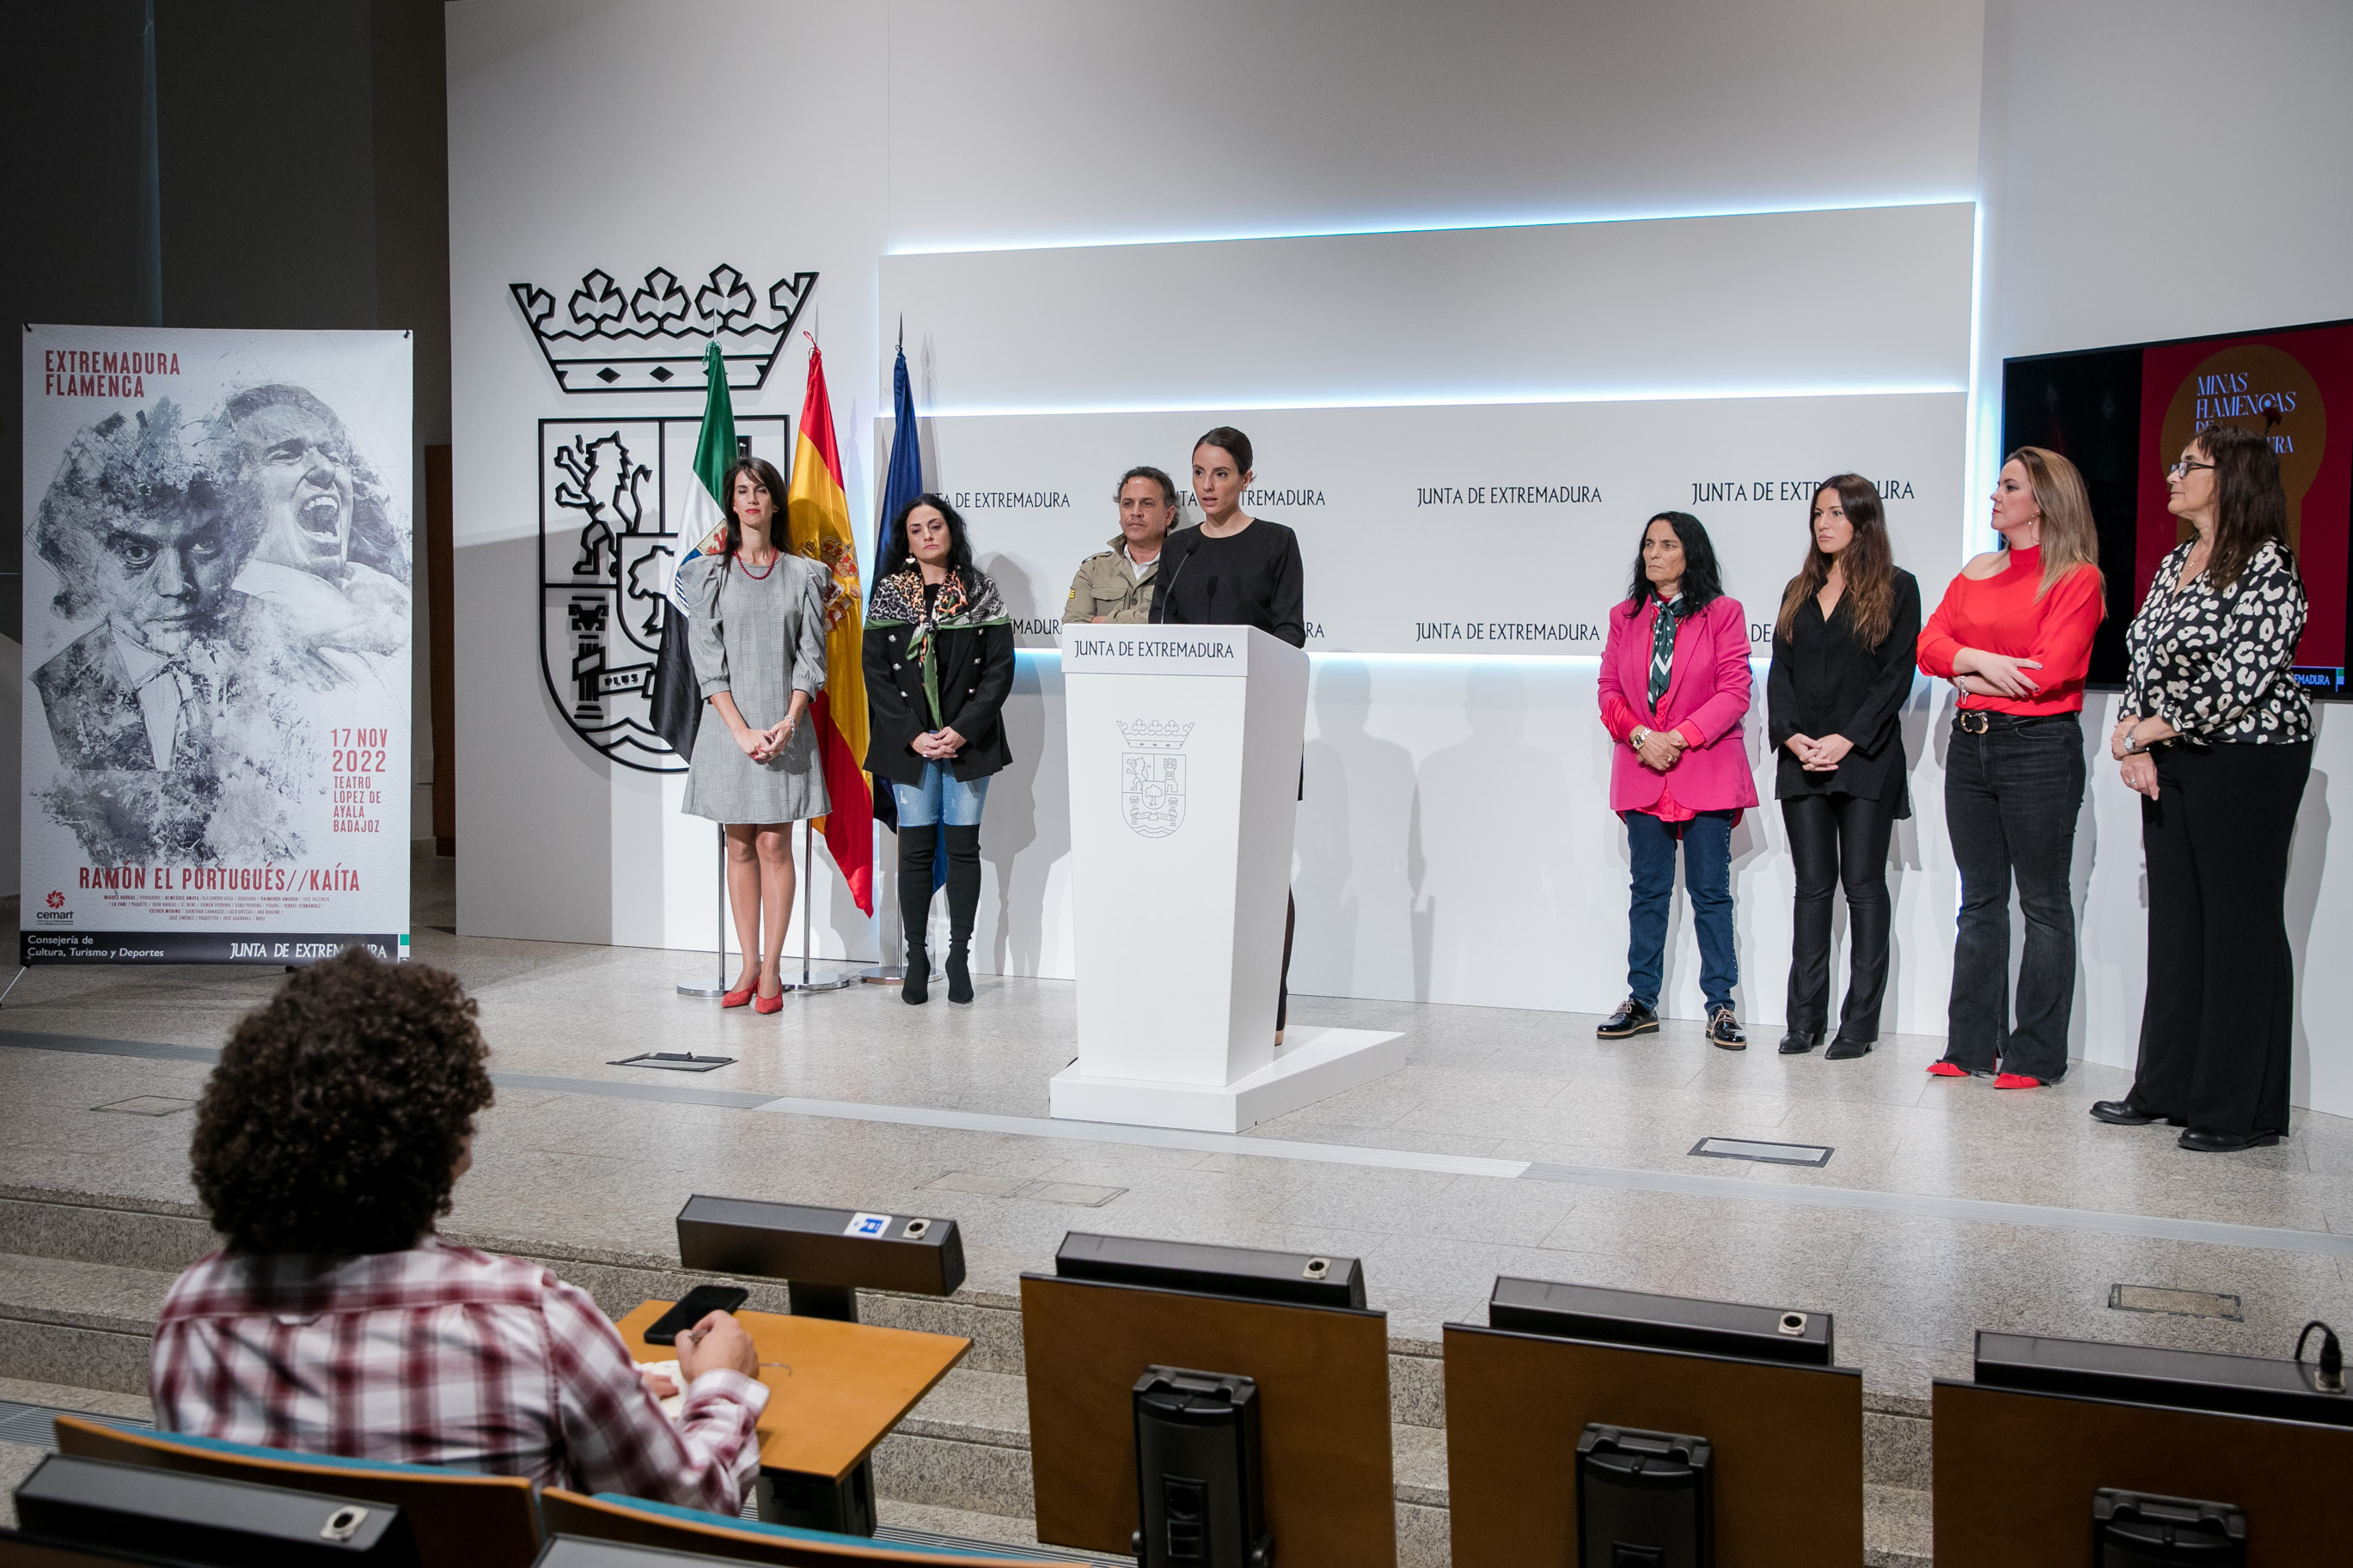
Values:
[(2166, 1302), (1814, 1154)]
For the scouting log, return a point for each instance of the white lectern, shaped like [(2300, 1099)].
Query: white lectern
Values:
[(1185, 748)]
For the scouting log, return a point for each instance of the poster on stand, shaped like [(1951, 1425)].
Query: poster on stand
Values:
[(218, 591)]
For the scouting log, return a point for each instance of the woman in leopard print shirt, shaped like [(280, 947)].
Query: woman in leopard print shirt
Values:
[(2216, 736)]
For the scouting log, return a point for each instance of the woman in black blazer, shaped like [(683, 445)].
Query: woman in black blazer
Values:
[(939, 664), (1842, 654)]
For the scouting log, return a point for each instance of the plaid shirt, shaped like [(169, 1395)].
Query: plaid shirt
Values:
[(441, 1355)]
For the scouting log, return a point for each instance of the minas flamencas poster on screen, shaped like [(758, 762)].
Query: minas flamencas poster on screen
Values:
[(218, 590)]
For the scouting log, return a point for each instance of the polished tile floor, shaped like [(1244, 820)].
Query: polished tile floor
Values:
[(1572, 1156)]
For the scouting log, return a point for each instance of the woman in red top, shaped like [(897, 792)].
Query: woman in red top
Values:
[(2014, 635)]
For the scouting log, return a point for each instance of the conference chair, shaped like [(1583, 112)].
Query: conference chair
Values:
[(633, 1521), (459, 1520)]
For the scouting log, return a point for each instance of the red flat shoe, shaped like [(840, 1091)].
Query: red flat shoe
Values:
[(2017, 1080), (737, 998), (768, 1003), (1948, 1069)]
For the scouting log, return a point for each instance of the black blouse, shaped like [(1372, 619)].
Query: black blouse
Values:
[(1249, 579), (1825, 683)]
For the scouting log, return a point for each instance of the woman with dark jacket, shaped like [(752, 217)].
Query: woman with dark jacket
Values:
[(2216, 736), (939, 664), (1843, 653)]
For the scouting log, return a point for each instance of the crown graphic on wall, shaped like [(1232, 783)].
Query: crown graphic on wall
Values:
[(651, 339), (1155, 735)]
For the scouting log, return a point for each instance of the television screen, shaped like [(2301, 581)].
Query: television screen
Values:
[(2123, 414)]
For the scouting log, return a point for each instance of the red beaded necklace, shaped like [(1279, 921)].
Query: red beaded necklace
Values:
[(760, 576)]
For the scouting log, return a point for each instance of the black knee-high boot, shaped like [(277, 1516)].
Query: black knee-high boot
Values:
[(915, 845), (964, 903)]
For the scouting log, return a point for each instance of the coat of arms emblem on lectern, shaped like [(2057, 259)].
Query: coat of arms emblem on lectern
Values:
[(1151, 775)]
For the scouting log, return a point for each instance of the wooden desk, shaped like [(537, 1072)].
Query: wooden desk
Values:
[(1787, 1441), (1323, 1432), (2016, 1471), (848, 1385)]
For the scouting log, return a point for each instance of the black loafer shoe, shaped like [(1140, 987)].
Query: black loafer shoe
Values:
[(1798, 1042), (1845, 1048), (1723, 1031), (2120, 1113), (2224, 1143), (1631, 1018)]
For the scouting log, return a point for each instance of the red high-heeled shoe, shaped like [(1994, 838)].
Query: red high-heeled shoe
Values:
[(1948, 1069), (738, 998), (2017, 1080), (768, 1003)]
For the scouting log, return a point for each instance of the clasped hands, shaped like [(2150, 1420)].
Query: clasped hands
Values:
[(1822, 756), (761, 745), (938, 745), (1660, 749)]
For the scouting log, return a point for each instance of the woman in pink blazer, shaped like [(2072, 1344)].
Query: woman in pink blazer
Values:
[(1674, 688)]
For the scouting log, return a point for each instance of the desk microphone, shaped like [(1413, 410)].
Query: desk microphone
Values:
[(1166, 595)]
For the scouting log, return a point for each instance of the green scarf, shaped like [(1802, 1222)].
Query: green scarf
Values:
[(899, 600)]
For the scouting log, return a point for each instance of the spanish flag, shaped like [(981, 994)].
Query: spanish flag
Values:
[(816, 522)]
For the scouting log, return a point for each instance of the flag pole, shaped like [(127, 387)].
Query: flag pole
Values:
[(687, 987), (885, 972), (808, 912)]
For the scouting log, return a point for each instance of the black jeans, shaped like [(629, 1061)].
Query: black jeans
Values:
[(2010, 798), (1836, 839), (2219, 1025)]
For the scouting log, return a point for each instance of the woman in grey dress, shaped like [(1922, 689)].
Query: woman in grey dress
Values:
[(755, 627)]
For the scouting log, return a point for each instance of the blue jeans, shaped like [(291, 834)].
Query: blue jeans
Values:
[(941, 797), (1707, 877)]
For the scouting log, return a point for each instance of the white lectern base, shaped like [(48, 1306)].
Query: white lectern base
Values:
[(1312, 1065)]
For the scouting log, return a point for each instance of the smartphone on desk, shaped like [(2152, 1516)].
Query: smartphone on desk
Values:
[(700, 1303)]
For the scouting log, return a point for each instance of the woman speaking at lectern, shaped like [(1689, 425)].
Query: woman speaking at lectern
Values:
[(1235, 570), (939, 664), (756, 634)]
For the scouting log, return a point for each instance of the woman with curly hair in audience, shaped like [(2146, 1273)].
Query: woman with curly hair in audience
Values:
[(336, 1322)]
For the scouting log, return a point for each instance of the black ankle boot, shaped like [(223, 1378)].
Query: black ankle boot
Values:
[(964, 903), (916, 909)]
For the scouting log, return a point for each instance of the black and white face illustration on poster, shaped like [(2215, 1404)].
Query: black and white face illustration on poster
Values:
[(217, 607)]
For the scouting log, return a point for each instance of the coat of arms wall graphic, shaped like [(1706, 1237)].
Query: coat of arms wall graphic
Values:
[(605, 337), (1151, 775), (612, 496)]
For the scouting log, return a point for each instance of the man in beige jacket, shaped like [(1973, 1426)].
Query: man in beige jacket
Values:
[(1116, 584)]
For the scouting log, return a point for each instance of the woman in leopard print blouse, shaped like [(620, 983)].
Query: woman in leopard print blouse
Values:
[(2216, 736)]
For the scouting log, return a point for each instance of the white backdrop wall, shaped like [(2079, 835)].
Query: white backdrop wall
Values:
[(2115, 212), (579, 139)]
